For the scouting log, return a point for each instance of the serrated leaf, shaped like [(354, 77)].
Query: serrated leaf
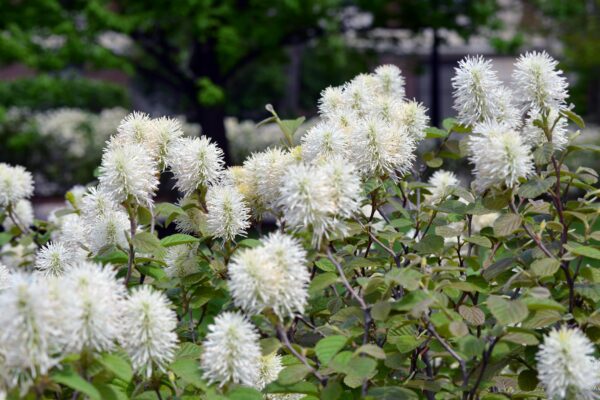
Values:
[(361, 367), (534, 188), (177, 239), (371, 350), (507, 312), (506, 224), (328, 347), (473, 315), (145, 242), (545, 267)]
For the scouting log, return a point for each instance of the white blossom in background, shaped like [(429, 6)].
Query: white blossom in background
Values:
[(149, 337), (306, 200), (108, 230), (55, 258), (92, 300), (106, 123), (23, 214), (127, 172), (538, 83), (476, 95), (412, 116), (182, 260), (379, 148), (500, 158), (228, 215), (30, 333), (4, 277), (231, 352), (483, 221), (534, 136), (16, 184), (18, 256), (66, 125), (165, 130), (390, 81), (566, 365), (322, 141), (195, 163), (441, 182), (97, 204), (71, 231), (270, 367), (332, 101)]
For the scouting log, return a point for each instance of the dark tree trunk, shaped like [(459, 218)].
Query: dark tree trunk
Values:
[(435, 79), (211, 119)]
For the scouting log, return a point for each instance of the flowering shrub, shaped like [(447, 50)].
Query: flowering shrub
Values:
[(377, 282)]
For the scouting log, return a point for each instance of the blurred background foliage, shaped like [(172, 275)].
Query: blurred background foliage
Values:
[(209, 60)]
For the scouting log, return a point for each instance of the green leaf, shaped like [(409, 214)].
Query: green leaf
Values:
[(70, 378), (325, 265), (528, 380), (321, 281), (506, 224), (479, 241), (292, 374), (435, 133), (473, 315), (328, 347), (534, 188), (585, 251), (249, 243), (188, 370), (145, 242), (545, 267), (537, 303), (117, 365), (434, 162), (361, 367), (430, 244), (111, 392), (405, 343), (177, 239), (573, 117), (392, 393), (497, 268), (371, 350), (244, 393), (290, 126), (507, 312)]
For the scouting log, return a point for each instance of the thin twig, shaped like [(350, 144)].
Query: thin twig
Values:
[(286, 341)]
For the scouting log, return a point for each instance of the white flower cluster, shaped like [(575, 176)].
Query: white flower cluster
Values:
[(503, 140), (46, 318), (566, 365)]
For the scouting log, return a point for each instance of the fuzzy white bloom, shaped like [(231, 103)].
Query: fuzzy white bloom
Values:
[(538, 83), (165, 130), (265, 172), (181, 260), (195, 163), (412, 116), (441, 182), (306, 200), (128, 171), (379, 148), (322, 141), (67, 126), (22, 212), (108, 230), (332, 101), (136, 128), (390, 80), (534, 135), (30, 332), (476, 96), (16, 184), (149, 338), (4, 277), (344, 185), (231, 352), (92, 298), (72, 231), (55, 258), (360, 91), (194, 219), (228, 215), (270, 367), (566, 365), (500, 158), (508, 113), (96, 204)]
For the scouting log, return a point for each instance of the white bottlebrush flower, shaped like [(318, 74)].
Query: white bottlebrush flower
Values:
[(16, 184), (108, 230), (231, 352), (344, 185), (265, 172), (566, 365), (500, 158), (128, 172), (228, 215), (390, 80), (136, 128), (22, 212), (322, 141), (92, 299), (165, 130), (476, 96), (441, 182), (360, 91), (270, 367), (71, 231), (306, 200), (181, 260), (149, 336), (30, 331), (508, 113), (534, 135), (4, 277), (538, 83), (55, 258), (379, 148), (195, 163), (412, 116), (96, 204), (332, 101)]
